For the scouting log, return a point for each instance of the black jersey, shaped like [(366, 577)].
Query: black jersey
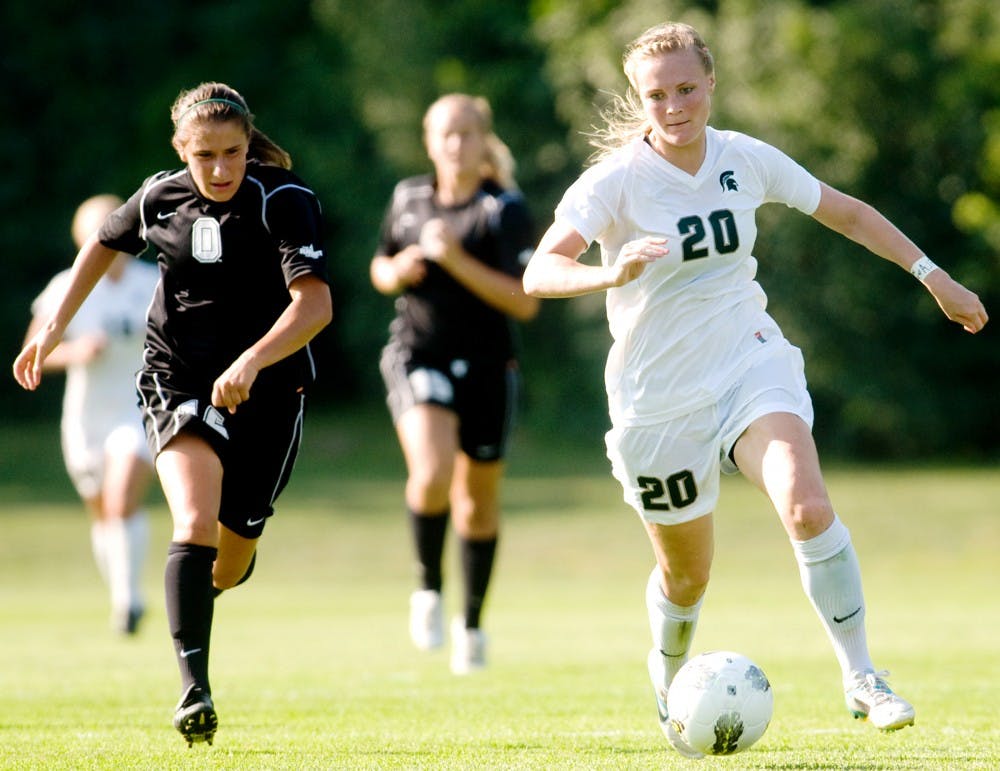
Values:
[(224, 268), (439, 316)]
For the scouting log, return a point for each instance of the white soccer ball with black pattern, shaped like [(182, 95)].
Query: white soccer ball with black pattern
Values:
[(720, 702)]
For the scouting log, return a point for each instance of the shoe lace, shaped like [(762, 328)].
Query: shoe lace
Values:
[(876, 687)]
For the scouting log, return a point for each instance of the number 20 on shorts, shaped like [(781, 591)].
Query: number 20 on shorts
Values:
[(675, 492)]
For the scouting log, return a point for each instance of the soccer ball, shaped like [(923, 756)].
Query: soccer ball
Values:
[(720, 702)]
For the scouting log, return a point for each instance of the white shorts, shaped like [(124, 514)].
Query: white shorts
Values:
[(85, 450), (669, 472)]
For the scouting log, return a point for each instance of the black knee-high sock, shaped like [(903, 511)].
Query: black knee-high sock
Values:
[(428, 537), (190, 605), (477, 565)]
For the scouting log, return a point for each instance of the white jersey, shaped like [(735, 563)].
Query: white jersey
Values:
[(695, 319), (101, 395)]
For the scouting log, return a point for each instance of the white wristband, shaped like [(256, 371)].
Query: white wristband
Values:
[(922, 268)]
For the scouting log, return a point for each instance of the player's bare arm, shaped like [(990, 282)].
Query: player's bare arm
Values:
[(91, 263), (310, 310), (392, 274), (865, 225), (80, 350), (494, 287), (554, 270)]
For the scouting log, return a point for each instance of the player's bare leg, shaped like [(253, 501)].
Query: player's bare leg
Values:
[(126, 480), (475, 512), (674, 593), (777, 453), (428, 435)]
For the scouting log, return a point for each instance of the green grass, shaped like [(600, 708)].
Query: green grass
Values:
[(312, 667)]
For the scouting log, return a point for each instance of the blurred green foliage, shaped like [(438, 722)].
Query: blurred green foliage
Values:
[(894, 101)]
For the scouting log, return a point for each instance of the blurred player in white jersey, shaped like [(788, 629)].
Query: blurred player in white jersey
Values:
[(103, 442), (700, 378)]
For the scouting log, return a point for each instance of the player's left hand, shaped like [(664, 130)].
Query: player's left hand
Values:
[(958, 303), (232, 387)]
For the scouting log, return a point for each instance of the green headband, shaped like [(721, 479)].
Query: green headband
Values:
[(235, 105)]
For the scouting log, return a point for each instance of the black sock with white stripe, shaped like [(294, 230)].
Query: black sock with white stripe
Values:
[(477, 566), (190, 604), (429, 532)]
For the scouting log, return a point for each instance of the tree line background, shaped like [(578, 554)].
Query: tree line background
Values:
[(896, 102)]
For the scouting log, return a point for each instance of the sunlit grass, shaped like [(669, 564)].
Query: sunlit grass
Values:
[(312, 668)]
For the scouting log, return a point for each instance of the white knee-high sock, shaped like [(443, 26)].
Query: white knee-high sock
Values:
[(672, 625), (116, 545), (137, 538), (125, 542), (98, 548), (831, 577)]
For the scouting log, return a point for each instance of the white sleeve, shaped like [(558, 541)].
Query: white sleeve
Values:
[(786, 181), (590, 203)]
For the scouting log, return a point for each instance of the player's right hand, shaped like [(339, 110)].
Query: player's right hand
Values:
[(635, 255), (410, 266), (28, 364)]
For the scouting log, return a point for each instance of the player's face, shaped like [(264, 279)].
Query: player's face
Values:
[(216, 156), (676, 95), (455, 141)]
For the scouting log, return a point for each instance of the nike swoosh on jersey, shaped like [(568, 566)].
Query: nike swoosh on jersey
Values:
[(163, 215), (255, 522)]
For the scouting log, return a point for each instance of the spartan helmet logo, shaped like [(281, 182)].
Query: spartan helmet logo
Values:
[(728, 181)]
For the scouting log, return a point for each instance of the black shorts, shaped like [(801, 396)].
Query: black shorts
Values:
[(482, 392), (257, 445)]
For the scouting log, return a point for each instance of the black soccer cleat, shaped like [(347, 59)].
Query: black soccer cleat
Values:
[(195, 716), (132, 620)]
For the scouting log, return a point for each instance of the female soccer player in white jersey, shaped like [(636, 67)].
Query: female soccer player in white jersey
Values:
[(699, 376), (102, 439), (453, 247), (226, 363)]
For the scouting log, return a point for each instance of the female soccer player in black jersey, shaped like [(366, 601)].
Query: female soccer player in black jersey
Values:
[(226, 363), (453, 246)]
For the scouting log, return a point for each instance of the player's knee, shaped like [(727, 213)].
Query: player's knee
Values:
[(686, 587), (809, 517), (428, 491)]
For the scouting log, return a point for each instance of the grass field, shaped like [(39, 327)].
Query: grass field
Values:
[(312, 667)]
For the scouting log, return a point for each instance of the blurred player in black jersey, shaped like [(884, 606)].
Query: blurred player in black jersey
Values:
[(226, 364), (453, 247)]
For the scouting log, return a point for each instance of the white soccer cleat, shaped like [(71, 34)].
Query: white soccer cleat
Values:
[(869, 696), (426, 619), (658, 676), (468, 648)]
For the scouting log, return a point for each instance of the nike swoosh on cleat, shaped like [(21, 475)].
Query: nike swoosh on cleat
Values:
[(839, 620)]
